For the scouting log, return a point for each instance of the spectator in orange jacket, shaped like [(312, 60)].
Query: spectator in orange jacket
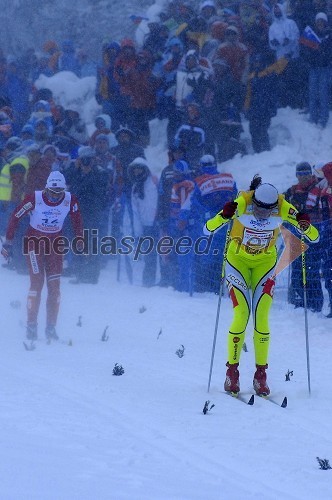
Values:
[(142, 86), (234, 53)]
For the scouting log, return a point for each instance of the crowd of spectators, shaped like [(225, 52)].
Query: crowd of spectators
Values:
[(205, 69)]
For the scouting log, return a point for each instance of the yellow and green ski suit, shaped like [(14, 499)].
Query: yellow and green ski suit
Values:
[(251, 260)]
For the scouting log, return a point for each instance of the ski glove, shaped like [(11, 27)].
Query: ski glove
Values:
[(303, 220), (229, 209), (7, 251)]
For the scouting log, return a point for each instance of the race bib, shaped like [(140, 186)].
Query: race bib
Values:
[(256, 240)]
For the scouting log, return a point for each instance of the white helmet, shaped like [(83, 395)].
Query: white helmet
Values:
[(265, 196), (139, 162), (56, 180), (207, 161)]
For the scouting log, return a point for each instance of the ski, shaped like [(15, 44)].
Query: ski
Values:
[(275, 402), (242, 398), (31, 345)]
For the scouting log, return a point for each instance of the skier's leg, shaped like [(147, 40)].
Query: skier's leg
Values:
[(262, 287), (36, 270), (53, 267), (238, 281)]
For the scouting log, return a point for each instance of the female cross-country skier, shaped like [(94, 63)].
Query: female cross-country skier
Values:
[(250, 265)]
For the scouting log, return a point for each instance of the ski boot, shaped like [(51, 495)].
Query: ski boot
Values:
[(51, 334), (259, 382), (31, 333), (232, 384)]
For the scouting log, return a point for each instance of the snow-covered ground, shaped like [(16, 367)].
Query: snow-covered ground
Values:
[(70, 430)]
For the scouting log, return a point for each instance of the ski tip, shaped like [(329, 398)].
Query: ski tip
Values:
[(251, 400), (234, 394), (30, 347), (284, 402)]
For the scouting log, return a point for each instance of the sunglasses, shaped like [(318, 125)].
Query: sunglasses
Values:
[(62, 190), (261, 213)]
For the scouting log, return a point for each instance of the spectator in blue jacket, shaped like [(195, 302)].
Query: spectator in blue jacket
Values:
[(68, 60), (316, 49)]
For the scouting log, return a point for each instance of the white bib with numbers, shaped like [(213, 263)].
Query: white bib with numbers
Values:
[(49, 218)]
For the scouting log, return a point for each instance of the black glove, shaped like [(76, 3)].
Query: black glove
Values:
[(229, 209), (303, 220)]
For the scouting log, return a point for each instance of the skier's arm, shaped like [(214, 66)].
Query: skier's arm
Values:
[(76, 217), (20, 211), (220, 219), (291, 215)]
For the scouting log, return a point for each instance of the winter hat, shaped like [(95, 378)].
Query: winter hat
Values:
[(42, 105), (207, 3), (192, 53), (127, 42), (4, 118), (303, 168), (139, 162), (33, 148), (111, 45), (102, 137), (56, 180), (138, 172), (321, 15), (154, 19), (106, 119), (49, 146), (265, 196), (14, 143), (27, 129), (181, 167), (86, 152), (174, 41), (220, 62), (41, 121), (232, 28), (207, 161), (49, 46), (127, 131)]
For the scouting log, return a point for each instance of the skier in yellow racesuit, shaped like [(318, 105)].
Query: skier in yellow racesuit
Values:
[(250, 265)]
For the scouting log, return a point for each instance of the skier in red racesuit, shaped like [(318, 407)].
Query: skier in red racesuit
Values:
[(47, 210)]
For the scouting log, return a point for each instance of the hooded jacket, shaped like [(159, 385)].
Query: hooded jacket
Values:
[(284, 35)]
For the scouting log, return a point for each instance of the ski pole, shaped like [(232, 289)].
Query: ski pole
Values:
[(219, 304), (305, 303)]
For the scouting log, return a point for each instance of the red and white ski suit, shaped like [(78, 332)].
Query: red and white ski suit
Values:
[(46, 221)]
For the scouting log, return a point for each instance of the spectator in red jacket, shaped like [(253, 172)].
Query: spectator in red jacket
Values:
[(39, 170), (142, 87), (234, 53), (125, 61)]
